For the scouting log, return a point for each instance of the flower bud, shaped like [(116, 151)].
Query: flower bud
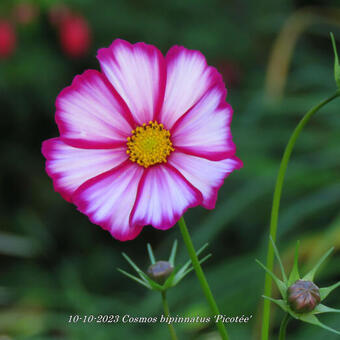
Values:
[(160, 271), (303, 296)]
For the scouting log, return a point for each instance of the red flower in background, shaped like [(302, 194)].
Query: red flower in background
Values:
[(7, 39), (74, 35)]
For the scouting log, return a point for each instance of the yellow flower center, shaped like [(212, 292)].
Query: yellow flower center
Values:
[(149, 144)]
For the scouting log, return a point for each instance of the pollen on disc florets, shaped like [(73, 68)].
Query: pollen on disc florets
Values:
[(149, 144)]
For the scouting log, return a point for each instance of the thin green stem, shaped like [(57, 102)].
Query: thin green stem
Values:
[(201, 277), (167, 313), (283, 327), (276, 205)]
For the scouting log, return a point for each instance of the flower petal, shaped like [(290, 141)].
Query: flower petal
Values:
[(188, 78), (138, 74), (163, 196), (108, 200), (207, 176), (204, 130), (69, 167), (90, 114)]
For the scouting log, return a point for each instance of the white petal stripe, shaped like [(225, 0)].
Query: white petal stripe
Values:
[(205, 129), (163, 196), (89, 114), (188, 78), (137, 72), (207, 176), (70, 167), (109, 198)]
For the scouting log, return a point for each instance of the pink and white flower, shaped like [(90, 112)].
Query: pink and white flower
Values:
[(143, 140)]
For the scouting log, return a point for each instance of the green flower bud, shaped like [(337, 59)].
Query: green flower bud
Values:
[(160, 271), (303, 296)]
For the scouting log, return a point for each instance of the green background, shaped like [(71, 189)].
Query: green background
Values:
[(54, 263)]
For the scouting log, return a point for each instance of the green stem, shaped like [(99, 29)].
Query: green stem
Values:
[(283, 327), (167, 313), (276, 205), (201, 277)]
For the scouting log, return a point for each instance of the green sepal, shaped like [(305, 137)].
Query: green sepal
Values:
[(169, 281), (173, 253), (311, 274), (324, 292), (183, 271), (280, 303), (294, 274), (151, 255), (200, 262), (143, 283), (277, 254), (324, 309), (312, 319), (336, 62), (142, 275), (280, 284), (154, 285)]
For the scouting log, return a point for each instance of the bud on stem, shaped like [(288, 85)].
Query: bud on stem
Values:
[(160, 271), (303, 296)]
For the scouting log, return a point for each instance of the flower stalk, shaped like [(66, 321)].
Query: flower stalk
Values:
[(166, 313), (201, 277), (276, 206), (283, 327)]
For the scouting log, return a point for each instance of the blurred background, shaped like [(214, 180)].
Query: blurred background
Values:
[(277, 62)]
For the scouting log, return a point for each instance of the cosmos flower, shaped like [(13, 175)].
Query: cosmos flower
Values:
[(143, 140)]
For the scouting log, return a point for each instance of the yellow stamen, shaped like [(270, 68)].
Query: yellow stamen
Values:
[(149, 144)]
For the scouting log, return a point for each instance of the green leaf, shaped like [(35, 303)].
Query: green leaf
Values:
[(311, 274), (277, 254), (294, 274), (173, 253), (336, 62), (281, 303), (324, 292), (154, 285), (151, 255), (324, 309), (312, 319), (134, 278), (281, 285)]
